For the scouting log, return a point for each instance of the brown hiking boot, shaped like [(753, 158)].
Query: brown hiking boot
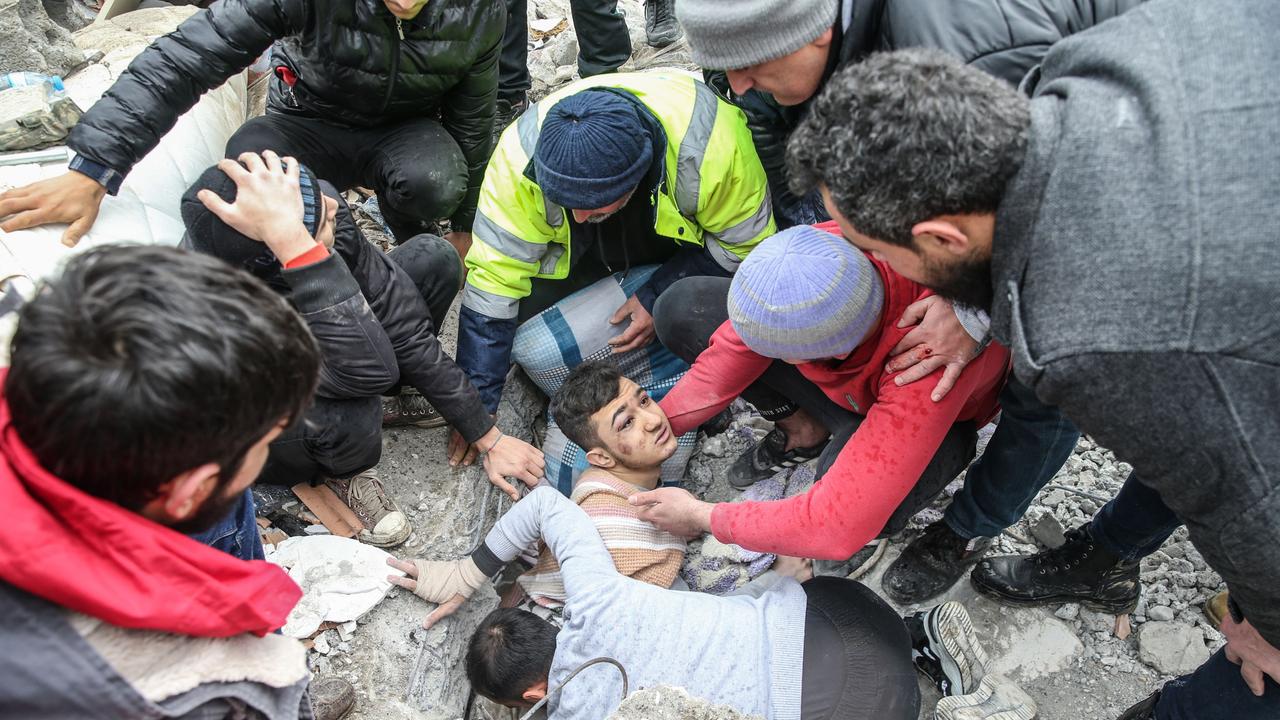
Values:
[(332, 698), (410, 408), (385, 524)]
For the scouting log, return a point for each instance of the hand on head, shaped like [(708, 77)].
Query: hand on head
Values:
[(268, 205)]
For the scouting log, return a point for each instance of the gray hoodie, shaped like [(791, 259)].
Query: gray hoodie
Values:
[(1136, 266), (740, 651)]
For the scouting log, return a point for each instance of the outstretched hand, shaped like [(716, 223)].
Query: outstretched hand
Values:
[(449, 601), (675, 510), (72, 197), (938, 340)]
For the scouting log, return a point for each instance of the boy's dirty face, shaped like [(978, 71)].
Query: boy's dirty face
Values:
[(633, 429)]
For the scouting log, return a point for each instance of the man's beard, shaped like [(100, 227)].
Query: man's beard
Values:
[(601, 217), (966, 281), (215, 508)]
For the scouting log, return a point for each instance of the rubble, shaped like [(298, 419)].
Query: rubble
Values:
[(30, 40), (662, 702)]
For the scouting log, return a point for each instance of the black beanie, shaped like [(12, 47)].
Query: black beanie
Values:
[(208, 234)]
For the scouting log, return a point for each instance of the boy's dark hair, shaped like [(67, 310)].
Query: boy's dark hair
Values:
[(510, 652), (905, 136), (139, 363), (590, 386)]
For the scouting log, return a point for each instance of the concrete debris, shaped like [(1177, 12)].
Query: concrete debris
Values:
[(30, 40), (1048, 531), (1160, 613), (1173, 648), (663, 702), (341, 579)]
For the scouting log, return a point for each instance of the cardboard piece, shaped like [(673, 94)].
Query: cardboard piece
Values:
[(332, 512)]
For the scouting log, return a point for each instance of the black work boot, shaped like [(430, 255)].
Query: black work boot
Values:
[(660, 26), (1144, 710), (332, 698), (931, 564), (1081, 571)]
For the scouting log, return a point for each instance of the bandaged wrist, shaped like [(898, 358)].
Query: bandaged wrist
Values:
[(439, 581)]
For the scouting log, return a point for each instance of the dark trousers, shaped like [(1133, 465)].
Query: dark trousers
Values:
[(691, 310), (415, 167), (603, 43), (1029, 446), (237, 533), (1133, 525), (857, 656), (340, 437)]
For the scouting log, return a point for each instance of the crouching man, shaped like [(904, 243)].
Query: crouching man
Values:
[(375, 316), (824, 649), (146, 385)]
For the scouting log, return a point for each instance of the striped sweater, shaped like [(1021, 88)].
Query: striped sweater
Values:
[(640, 550)]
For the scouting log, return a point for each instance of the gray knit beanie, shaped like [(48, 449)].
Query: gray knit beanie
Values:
[(734, 34), (805, 294)]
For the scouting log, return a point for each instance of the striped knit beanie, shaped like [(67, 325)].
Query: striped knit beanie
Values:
[(208, 234), (805, 294)]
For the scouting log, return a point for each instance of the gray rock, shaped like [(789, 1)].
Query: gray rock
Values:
[(663, 702), (1070, 611), (31, 41), (1048, 531), (1160, 613), (1172, 648)]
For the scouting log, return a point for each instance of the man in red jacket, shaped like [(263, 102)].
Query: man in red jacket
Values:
[(828, 312), (145, 386)]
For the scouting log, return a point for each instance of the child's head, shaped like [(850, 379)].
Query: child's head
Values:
[(509, 657), (613, 419)]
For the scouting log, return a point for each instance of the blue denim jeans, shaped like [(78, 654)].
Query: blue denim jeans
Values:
[(1215, 691), (1030, 444), (237, 533), (1135, 523)]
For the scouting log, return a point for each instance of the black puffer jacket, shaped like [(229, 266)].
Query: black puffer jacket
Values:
[(1004, 37), (375, 329), (352, 66)]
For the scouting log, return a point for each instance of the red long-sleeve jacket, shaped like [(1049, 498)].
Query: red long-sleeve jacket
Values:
[(879, 465)]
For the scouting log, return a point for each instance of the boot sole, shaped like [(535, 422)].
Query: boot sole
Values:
[(997, 698), (425, 424), (1091, 604), (965, 661)]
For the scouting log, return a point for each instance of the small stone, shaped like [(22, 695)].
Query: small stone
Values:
[(317, 530), (1108, 660), (423, 506), (1048, 532), (1070, 611), (321, 644), (344, 647), (418, 636), (1054, 498), (1160, 613), (346, 630)]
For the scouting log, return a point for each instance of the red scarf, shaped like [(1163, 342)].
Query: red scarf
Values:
[(94, 557)]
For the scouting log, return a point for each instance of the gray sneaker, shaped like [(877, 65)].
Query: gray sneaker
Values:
[(385, 524), (997, 698)]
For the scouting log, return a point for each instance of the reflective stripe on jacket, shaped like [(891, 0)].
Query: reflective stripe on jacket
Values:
[(713, 192)]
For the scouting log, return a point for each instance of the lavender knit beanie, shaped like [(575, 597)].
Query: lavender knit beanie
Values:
[(805, 294), (734, 34)]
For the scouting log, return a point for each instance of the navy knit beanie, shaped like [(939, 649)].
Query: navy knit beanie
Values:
[(594, 148), (208, 234)]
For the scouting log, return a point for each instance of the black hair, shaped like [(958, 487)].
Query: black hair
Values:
[(590, 386), (510, 652), (139, 363), (905, 136)]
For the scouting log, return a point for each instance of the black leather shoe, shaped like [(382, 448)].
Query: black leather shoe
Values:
[(1144, 710), (931, 564), (1080, 571)]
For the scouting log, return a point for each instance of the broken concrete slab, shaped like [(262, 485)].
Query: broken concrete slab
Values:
[(1172, 648), (30, 40), (663, 702)]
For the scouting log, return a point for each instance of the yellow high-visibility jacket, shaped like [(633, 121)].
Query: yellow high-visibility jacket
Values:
[(714, 192)]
